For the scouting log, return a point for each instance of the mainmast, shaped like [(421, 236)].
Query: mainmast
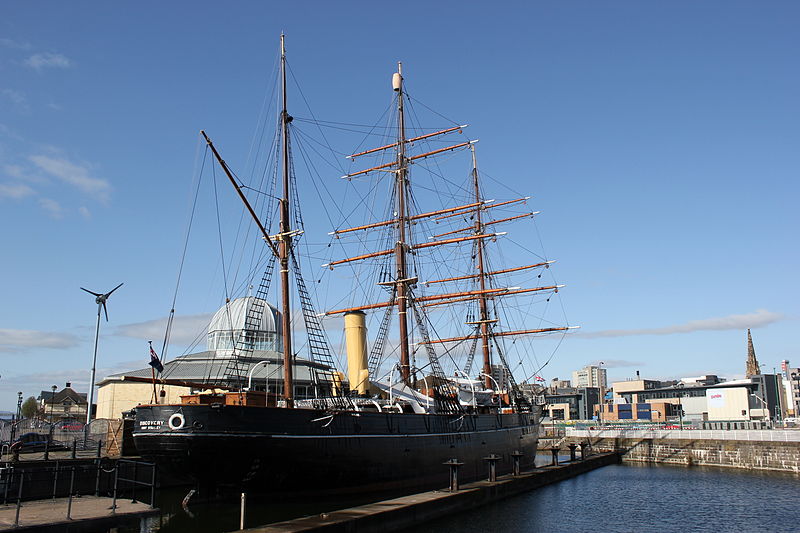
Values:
[(401, 279), (484, 315), (285, 242)]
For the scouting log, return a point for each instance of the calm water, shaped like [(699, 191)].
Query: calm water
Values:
[(612, 499), (622, 498)]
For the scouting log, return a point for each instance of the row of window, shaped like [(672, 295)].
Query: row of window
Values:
[(254, 340)]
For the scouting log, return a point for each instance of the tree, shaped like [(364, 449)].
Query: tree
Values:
[(30, 407)]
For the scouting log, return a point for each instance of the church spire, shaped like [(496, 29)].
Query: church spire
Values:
[(752, 362)]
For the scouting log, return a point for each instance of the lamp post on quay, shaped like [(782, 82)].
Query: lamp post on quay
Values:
[(680, 405), (52, 402)]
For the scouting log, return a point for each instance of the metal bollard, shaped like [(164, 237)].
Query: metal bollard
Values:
[(135, 480), (19, 497), (8, 474), (97, 478), (153, 488), (572, 451), (583, 450), (99, 449), (554, 451), (242, 509), (516, 456), (74, 447), (492, 460), (114, 498), (71, 490), (453, 464), (55, 482)]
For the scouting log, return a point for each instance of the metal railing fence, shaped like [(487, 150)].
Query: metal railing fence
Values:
[(67, 479), (783, 435)]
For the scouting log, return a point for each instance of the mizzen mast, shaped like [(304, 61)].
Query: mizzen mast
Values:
[(284, 238), (482, 306)]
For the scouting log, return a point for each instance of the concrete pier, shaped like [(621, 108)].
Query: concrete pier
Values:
[(770, 450), (86, 513), (410, 511)]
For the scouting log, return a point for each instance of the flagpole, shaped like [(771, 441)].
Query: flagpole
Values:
[(153, 372)]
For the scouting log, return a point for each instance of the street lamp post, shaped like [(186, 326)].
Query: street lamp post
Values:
[(778, 400), (52, 402), (600, 385), (19, 415)]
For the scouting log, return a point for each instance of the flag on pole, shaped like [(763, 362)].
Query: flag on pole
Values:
[(539, 378), (155, 362)]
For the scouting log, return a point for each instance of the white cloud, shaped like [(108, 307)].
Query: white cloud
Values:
[(10, 43), (48, 60), (84, 211), (52, 207), (15, 97), (758, 319), (73, 174), (19, 339), (186, 329), (8, 132), (15, 190), (15, 171)]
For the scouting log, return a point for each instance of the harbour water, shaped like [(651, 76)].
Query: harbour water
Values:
[(618, 498), (632, 498)]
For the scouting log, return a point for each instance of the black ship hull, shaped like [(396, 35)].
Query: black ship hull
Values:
[(314, 449)]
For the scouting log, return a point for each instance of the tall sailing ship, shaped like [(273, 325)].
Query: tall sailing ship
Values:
[(386, 425)]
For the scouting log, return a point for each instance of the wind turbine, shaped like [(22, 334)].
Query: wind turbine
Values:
[(100, 300)]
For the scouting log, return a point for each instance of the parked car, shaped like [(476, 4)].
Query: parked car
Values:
[(36, 442)]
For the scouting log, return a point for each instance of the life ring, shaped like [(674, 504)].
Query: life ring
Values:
[(176, 421)]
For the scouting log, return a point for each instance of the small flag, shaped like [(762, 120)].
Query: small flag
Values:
[(539, 378), (155, 362)]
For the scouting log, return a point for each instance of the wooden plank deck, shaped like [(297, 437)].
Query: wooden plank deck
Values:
[(86, 510)]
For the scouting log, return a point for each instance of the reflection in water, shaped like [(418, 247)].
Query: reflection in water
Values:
[(618, 498), (622, 498)]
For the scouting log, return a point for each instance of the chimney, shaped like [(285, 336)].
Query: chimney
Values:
[(69, 384)]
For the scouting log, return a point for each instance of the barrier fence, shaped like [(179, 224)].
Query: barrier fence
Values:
[(40, 439), (101, 477), (783, 435)]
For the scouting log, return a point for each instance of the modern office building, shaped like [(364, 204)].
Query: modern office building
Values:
[(590, 376), (572, 403)]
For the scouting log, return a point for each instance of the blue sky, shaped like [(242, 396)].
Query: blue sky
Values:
[(658, 140)]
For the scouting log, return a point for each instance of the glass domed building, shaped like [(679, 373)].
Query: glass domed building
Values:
[(227, 328), (228, 344)]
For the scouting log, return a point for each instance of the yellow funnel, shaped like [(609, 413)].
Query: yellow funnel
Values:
[(355, 331)]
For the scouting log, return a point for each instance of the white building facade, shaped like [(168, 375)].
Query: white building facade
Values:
[(590, 376)]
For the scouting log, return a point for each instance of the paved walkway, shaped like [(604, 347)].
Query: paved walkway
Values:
[(52, 512)]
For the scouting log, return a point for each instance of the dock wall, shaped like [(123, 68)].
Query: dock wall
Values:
[(770, 455), (413, 510)]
